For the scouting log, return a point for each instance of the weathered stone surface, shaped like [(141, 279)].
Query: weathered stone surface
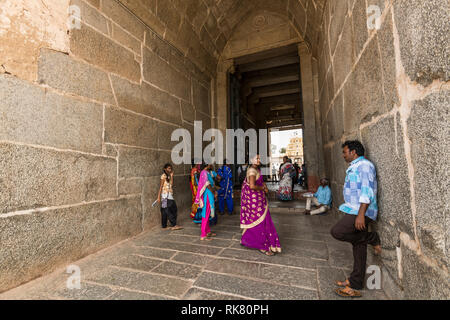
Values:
[(152, 215), (158, 72), (90, 15), (130, 186), (87, 292), (99, 50), (27, 26), (423, 33), (137, 263), (32, 115), (181, 270), (60, 71), (200, 97), (164, 136), (251, 288), (278, 274), (147, 100), (339, 13), (187, 111), (368, 101), (124, 18), (158, 45), (34, 177), (428, 131), (343, 58), (166, 12), (133, 295), (154, 284), (359, 19), (199, 294), (131, 129), (386, 43), (136, 162), (95, 3), (421, 281), (385, 148), (62, 235), (191, 258)]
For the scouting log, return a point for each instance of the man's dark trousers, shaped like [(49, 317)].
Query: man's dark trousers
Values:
[(345, 230)]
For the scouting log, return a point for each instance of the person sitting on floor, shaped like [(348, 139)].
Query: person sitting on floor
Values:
[(321, 199)]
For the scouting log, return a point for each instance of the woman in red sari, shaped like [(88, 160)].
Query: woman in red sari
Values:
[(259, 230)]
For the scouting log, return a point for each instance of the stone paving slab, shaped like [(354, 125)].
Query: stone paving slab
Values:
[(251, 288), (146, 282), (201, 294), (273, 273), (134, 295)]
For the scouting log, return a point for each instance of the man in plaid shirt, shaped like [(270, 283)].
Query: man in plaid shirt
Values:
[(360, 208)]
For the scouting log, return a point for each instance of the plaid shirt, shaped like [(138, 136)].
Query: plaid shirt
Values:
[(360, 187)]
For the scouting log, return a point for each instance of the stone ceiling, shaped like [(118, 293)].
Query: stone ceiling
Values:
[(200, 29)]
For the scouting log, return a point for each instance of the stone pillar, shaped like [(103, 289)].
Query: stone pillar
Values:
[(309, 117), (221, 111)]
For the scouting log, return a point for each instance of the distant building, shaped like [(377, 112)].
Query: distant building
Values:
[(294, 150)]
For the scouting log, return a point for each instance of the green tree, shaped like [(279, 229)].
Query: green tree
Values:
[(283, 150)]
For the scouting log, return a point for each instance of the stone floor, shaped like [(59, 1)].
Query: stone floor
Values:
[(162, 264)]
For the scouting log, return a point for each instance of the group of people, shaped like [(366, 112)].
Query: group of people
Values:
[(208, 188), (259, 232)]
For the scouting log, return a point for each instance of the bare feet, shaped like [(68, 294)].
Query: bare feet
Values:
[(176, 228), (205, 239)]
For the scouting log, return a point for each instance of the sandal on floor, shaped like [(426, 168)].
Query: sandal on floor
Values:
[(349, 293), (211, 234), (267, 253), (344, 283), (205, 239), (176, 228)]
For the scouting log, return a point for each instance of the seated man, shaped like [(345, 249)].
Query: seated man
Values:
[(321, 199)]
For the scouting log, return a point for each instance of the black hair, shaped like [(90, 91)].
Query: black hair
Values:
[(354, 145), (167, 165)]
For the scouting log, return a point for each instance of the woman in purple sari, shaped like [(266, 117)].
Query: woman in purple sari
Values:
[(259, 231)]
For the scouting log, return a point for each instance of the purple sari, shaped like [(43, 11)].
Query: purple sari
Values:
[(259, 230)]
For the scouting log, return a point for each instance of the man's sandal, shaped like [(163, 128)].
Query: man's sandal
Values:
[(348, 292), (344, 283)]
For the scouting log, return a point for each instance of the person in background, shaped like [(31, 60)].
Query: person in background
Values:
[(193, 183), (226, 189), (165, 197), (214, 180), (321, 199), (286, 173), (205, 200), (360, 208), (295, 178)]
